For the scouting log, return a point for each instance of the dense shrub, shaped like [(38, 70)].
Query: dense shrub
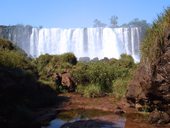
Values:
[(104, 76), (42, 61), (50, 64), (100, 73), (69, 57), (90, 91), (80, 74), (119, 87)]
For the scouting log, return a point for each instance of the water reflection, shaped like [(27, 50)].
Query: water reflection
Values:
[(56, 123), (86, 119)]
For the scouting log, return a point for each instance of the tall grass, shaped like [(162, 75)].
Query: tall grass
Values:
[(90, 91), (151, 47)]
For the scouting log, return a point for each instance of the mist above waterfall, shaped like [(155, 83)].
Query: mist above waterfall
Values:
[(83, 42)]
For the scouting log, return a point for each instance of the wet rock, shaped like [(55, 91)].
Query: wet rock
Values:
[(84, 59)]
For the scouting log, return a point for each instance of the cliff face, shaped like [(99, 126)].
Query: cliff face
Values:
[(18, 34), (150, 88)]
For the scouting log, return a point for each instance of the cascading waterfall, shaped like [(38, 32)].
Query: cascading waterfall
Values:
[(86, 42), (83, 42)]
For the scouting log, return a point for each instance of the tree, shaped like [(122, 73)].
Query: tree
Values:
[(98, 23), (114, 21), (138, 23)]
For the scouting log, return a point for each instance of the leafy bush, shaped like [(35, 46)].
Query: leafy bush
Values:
[(69, 57), (79, 73), (49, 64), (101, 75), (42, 61)]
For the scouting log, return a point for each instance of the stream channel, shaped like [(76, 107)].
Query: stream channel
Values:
[(81, 118)]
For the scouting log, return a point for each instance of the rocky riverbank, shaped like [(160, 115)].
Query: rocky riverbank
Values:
[(72, 102)]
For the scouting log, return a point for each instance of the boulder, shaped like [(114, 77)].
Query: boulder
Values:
[(138, 89), (67, 81), (64, 79), (84, 59)]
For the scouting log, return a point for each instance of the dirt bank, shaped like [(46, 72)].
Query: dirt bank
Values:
[(76, 101)]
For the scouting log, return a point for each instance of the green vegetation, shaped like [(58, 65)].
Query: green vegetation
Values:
[(47, 65), (152, 44), (90, 90), (104, 77), (138, 23), (98, 23), (114, 23), (93, 79)]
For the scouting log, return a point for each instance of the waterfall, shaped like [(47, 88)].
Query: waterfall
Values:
[(83, 42)]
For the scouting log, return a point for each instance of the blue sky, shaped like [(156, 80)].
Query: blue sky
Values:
[(77, 13)]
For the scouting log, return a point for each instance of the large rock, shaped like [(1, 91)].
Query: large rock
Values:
[(151, 84), (64, 79), (138, 89)]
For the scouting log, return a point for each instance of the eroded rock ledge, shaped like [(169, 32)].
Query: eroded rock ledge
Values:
[(150, 88)]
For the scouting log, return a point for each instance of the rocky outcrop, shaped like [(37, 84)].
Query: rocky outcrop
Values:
[(64, 79), (150, 88), (18, 34), (138, 89)]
